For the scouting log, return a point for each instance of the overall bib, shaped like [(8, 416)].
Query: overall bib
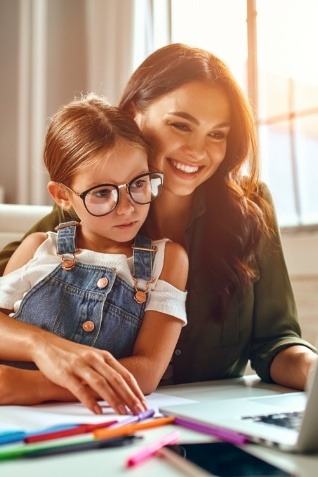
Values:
[(90, 304)]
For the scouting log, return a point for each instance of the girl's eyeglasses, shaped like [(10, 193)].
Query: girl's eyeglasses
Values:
[(103, 199)]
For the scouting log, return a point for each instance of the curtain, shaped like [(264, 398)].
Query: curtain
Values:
[(53, 50)]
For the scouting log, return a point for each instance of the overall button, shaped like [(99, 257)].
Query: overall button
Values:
[(102, 282), (88, 326)]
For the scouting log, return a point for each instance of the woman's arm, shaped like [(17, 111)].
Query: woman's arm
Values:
[(278, 353), (159, 332), (292, 367), (83, 371), (26, 388)]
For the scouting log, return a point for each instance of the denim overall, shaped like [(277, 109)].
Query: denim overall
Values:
[(89, 304)]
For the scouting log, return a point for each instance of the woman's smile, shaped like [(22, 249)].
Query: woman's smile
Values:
[(184, 167), (187, 131)]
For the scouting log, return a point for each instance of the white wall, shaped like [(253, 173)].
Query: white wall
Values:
[(301, 254)]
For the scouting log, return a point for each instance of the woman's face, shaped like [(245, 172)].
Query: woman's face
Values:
[(187, 131)]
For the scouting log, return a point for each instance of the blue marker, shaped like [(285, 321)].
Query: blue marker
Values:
[(8, 437), (11, 436)]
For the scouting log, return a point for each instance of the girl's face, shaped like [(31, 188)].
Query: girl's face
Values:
[(117, 167), (187, 131)]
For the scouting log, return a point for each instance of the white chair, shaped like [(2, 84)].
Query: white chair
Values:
[(16, 219)]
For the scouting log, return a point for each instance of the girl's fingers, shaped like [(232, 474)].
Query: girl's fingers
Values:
[(87, 372), (127, 376), (84, 394), (113, 383)]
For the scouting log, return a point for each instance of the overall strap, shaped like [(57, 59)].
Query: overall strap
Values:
[(143, 257), (66, 243)]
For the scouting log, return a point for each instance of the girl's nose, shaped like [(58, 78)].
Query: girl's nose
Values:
[(125, 203)]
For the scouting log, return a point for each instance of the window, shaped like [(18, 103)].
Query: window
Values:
[(287, 38), (208, 24), (286, 87)]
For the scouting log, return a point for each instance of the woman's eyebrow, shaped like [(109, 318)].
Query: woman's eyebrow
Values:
[(184, 115), (191, 118)]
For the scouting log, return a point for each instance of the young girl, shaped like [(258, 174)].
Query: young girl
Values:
[(97, 282)]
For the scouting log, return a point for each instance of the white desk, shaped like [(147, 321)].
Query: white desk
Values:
[(105, 463)]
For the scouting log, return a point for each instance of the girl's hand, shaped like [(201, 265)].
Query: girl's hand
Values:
[(89, 372)]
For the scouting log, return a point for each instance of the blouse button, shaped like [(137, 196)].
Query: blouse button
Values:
[(88, 326), (102, 282), (177, 352)]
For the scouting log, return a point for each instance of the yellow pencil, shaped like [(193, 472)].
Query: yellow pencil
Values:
[(131, 428)]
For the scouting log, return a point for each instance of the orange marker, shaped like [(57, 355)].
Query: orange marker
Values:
[(131, 428)]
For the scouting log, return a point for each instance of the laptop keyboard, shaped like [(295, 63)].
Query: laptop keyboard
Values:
[(291, 420)]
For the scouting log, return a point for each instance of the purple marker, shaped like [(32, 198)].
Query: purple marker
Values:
[(223, 434), (135, 418)]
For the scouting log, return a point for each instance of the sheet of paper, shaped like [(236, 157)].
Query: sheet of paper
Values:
[(29, 418)]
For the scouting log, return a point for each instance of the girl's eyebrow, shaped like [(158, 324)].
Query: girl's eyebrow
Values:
[(189, 117)]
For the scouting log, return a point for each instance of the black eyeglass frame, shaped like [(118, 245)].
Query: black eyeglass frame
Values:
[(83, 195)]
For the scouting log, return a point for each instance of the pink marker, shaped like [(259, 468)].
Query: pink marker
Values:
[(152, 449)]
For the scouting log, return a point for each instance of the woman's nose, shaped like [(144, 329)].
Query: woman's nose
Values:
[(196, 147)]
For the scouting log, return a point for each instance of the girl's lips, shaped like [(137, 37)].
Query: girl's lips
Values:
[(126, 226)]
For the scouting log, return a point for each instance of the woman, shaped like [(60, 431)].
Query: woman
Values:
[(240, 303)]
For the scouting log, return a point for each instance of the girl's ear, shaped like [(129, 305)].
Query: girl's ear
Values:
[(60, 194)]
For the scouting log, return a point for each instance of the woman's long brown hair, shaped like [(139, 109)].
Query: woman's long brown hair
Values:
[(237, 213)]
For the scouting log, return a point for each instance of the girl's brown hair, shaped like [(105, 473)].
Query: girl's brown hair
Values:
[(81, 132), (237, 213)]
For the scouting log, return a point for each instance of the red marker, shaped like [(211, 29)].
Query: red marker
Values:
[(81, 429)]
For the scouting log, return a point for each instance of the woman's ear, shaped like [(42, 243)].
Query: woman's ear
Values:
[(60, 194), (133, 112)]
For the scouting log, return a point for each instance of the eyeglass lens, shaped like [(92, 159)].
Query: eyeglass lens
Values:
[(103, 199)]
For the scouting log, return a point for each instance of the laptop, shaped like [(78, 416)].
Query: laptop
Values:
[(288, 421)]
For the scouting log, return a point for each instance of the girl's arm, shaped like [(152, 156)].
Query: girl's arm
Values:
[(25, 252), (159, 332), (48, 222)]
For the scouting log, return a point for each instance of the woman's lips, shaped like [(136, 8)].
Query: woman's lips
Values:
[(184, 167), (185, 171)]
